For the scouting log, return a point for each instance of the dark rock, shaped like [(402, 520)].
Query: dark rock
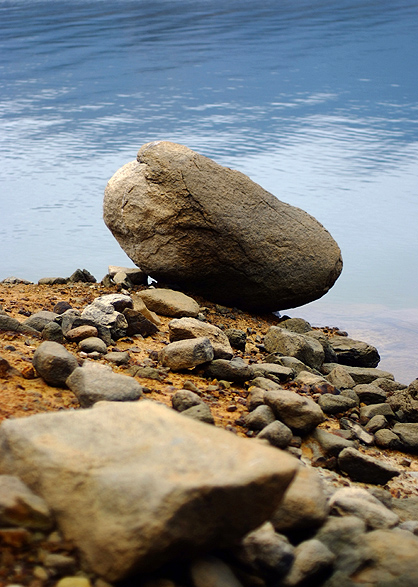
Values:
[(359, 374), (39, 320), (83, 276), (340, 377), (186, 354), (376, 423), (354, 352), (408, 434), (300, 413), (335, 404), (283, 258), (53, 331), (332, 444), (298, 325), (201, 412), (53, 281), (259, 418), (367, 412), (304, 348), (272, 371), (138, 324), (61, 307), (357, 431), (185, 399), (12, 324), (235, 370), (363, 468), (237, 338), (387, 439), (117, 358), (186, 328), (370, 394), (93, 344), (54, 363)]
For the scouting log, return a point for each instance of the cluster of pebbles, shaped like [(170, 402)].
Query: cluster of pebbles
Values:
[(350, 515)]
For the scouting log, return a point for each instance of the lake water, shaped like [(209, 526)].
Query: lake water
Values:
[(316, 101)]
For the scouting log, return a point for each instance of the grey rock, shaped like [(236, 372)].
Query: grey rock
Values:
[(408, 434), (272, 370), (308, 378), (411, 526), (355, 501), (376, 423), (300, 413), (307, 350), (184, 399), (39, 320), (406, 508), (168, 302), (404, 402), (102, 312), (291, 362), (283, 258), (277, 434), (122, 280), (12, 324), (53, 331), (357, 431), (235, 370), (266, 552), (367, 412), (387, 439), (53, 281), (266, 384), (92, 344), (54, 363), (331, 444), (237, 338), (359, 374), (94, 382), (186, 354), (135, 486), (302, 509), (341, 378), (201, 412), (366, 469), (335, 404), (15, 280), (259, 418), (370, 394), (210, 571), (298, 325), (352, 394), (389, 385), (19, 506), (312, 558), (330, 355), (255, 398), (117, 358), (185, 328)]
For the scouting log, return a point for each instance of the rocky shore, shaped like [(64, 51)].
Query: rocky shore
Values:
[(152, 438)]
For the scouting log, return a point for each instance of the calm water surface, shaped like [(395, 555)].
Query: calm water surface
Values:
[(316, 101)]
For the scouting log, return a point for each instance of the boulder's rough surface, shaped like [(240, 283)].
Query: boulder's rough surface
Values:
[(184, 219), (134, 486)]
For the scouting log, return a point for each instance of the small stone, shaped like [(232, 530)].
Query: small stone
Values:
[(200, 412), (273, 371), (53, 331), (54, 363), (168, 302), (92, 344), (61, 307), (312, 558), (138, 323), (277, 434), (237, 338), (370, 394), (383, 409), (332, 444), (255, 398), (259, 418), (185, 399), (300, 413), (39, 320), (340, 377), (81, 332), (186, 354), (336, 404), (387, 439), (235, 370), (83, 276), (117, 358), (363, 468)]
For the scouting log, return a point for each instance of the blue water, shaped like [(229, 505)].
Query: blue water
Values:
[(316, 101)]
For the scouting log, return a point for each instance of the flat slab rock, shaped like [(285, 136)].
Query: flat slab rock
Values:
[(137, 485)]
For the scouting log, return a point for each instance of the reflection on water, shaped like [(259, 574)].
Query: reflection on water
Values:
[(317, 102)]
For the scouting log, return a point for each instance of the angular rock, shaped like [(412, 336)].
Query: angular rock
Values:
[(235, 370), (298, 325), (117, 358), (341, 378), (367, 412), (329, 353), (134, 274), (237, 338), (370, 394), (82, 276), (366, 469), (308, 378), (332, 444), (201, 412), (259, 418), (138, 323), (359, 374), (408, 434), (168, 302), (389, 384), (185, 399), (304, 505), (273, 371), (283, 258), (61, 307), (266, 552), (376, 423), (53, 362), (354, 352), (404, 403), (103, 312), (355, 501), (94, 382), (387, 439), (185, 328), (139, 306), (12, 324), (300, 413), (277, 434), (335, 404), (53, 331), (255, 398), (307, 350), (53, 280), (135, 486), (290, 362), (19, 506), (186, 354), (312, 558)]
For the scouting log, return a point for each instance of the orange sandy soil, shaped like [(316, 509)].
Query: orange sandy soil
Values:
[(23, 393)]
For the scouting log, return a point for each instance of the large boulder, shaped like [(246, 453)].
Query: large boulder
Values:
[(185, 219), (136, 485)]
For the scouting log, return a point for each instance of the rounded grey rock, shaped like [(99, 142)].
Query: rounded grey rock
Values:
[(92, 344), (53, 362)]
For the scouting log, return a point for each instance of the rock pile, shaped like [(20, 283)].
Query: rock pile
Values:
[(184, 219), (164, 495)]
